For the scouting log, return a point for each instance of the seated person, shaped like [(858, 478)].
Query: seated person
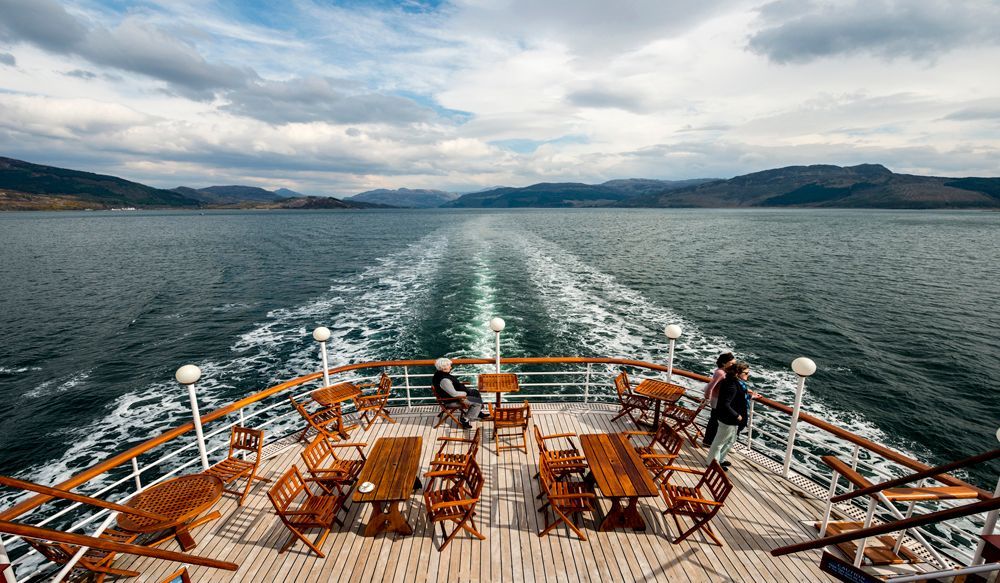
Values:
[(447, 386)]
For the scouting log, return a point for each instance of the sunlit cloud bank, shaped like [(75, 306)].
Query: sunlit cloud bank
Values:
[(339, 97)]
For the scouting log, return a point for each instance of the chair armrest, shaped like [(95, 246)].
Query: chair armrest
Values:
[(567, 496), (440, 474), (323, 471), (683, 469), (570, 458), (456, 439), (338, 444), (447, 463), (698, 500), (663, 456), (300, 513), (454, 504), (555, 435), (631, 433)]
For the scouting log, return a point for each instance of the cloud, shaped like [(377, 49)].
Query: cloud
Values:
[(41, 22), (607, 98), (975, 113), (320, 99), (8, 59), (799, 32), (81, 74)]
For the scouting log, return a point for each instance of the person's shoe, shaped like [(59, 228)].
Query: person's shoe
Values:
[(466, 424), (485, 415), (725, 465)]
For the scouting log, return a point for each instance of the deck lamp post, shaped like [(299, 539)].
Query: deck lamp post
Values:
[(497, 325), (989, 526), (673, 332), (188, 375), (803, 367), (321, 335)]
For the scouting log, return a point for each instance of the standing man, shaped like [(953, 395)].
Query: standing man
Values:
[(447, 386)]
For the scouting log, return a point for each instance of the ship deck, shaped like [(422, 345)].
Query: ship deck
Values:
[(763, 512)]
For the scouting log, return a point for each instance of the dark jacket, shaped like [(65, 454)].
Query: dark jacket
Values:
[(732, 402), (436, 385)]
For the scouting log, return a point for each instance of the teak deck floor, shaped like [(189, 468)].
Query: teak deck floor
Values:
[(764, 511)]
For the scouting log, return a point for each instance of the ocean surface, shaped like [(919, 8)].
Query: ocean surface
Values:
[(98, 309)]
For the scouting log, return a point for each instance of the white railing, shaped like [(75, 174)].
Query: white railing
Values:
[(769, 433)]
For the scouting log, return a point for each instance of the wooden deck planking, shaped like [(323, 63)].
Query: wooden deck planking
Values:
[(760, 514)]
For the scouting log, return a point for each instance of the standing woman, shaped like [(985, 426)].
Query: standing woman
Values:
[(731, 410), (712, 395)]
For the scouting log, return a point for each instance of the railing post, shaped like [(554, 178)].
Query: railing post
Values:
[(673, 332), (321, 335), (872, 502), (8, 573), (854, 456), (750, 426), (989, 526), (135, 470), (586, 384), (406, 380), (188, 375), (803, 367), (497, 325), (909, 513), (829, 503)]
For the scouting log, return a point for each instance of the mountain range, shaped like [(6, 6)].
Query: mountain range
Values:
[(27, 186)]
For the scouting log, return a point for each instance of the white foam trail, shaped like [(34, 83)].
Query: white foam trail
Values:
[(8, 370), (52, 387), (368, 315)]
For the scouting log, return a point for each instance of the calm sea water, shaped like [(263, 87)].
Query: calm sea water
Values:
[(898, 309)]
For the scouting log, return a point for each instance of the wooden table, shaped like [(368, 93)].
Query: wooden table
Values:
[(663, 392), (392, 465), (334, 396), (499, 383), (619, 473), (181, 500)]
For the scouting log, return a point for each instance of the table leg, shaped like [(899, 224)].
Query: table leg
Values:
[(389, 519), (656, 417), (184, 538), (623, 517)]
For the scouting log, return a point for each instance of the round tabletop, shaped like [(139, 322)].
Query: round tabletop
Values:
[(179, 500)]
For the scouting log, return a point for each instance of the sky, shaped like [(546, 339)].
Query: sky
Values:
[(338, 97)]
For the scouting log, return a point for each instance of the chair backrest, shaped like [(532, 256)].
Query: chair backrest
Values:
[(317, 451), (622, 384), (300, 408), (286, 489), (539, 440), (716, 481), (244, 439), (474, 479), (669, 438), (512, 414), (384, 384), (56, 552), (545, 473)]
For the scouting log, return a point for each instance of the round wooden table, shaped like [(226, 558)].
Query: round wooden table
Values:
[(179, 501)]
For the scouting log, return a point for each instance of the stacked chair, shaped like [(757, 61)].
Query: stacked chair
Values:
[(333, 473), (566, 498), (563, 462), (661, 449), (452, 494)]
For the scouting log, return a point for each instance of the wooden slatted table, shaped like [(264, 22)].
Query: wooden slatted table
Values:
[(499, 383), (663, 392), (619, 473), (180, 499), (334, 396), (392, 466)]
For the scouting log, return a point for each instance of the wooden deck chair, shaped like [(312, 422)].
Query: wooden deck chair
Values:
[(449, 407), (454, 500), (233, 467), (510, 422), (566, 498), (331, 472), (563, 462), (446, 459), (700, 502), (326, 422), (179, 576), (94, 562), (661, 449), (683, 419), (371, 407), (632, 404), (312, 511)]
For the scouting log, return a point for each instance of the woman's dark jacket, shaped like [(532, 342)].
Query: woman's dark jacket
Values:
[(732, 402)]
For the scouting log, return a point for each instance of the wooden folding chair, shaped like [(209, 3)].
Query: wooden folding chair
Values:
[(329, 470), (566, 498), (632, 404), (513, 418), (700, 502), (563, 462), (371, 407), (233, 467), (95, 562), (454, 500), (449, 407), (313, 511), (181, 575), (683, 419), (447, 460), (657, 459), (327, 422)]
